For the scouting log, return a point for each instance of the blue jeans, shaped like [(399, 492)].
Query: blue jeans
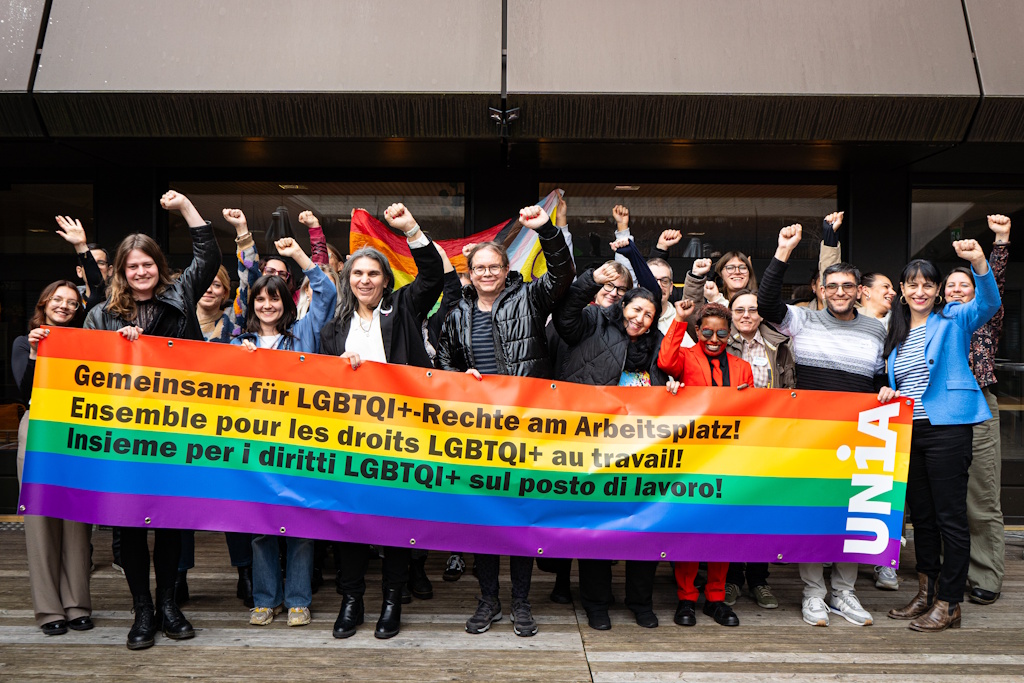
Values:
[(239, 549), (267, 585)]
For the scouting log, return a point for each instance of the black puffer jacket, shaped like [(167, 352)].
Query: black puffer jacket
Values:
[(597, 338), (518, 317), (181, 296)]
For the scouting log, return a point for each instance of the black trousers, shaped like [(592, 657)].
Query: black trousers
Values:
[(135, 558), (352, 560), (940, 456), (596, 584), (754, 573), (520, 568)]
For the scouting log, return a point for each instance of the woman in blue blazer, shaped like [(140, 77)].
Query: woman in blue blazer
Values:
[(926, 354)]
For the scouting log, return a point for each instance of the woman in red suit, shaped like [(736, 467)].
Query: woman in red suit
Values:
[(704, 365)]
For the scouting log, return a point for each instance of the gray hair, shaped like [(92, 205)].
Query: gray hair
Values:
[(347, 302)]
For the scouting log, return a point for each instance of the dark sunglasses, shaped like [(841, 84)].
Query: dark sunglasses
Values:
[(707, 334)]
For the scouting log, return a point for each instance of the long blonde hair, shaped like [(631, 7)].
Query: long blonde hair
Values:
[(120, 301)]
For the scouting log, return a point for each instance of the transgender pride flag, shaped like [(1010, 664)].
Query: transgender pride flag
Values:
[(524, 252)]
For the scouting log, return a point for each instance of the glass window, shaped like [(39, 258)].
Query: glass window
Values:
[(34, 255), (439, 207), (940, 216), (714, 219)]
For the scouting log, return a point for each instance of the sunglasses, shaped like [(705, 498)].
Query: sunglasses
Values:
[(708, 334)]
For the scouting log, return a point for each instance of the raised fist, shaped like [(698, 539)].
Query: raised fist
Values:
[(701, 267), (835, 219), (234, 217), (790, 236), (468, 248), (999, 224), (173, 201), (711, 290), (533, 217), (668, 239), (308, 219), (286, 246), (561, 217), (969, 250), (400, 218), (684, 308), (605, 274), (619, 244), (621, 216)]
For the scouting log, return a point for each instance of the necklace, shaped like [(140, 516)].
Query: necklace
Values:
[(369, 325)]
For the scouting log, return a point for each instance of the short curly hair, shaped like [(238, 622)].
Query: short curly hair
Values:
[(713, 310)]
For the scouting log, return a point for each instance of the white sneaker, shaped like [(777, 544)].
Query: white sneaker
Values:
[(846, 604), (815, 611), (886, 578)]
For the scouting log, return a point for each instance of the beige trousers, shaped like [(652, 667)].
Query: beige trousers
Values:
[(58, 559)]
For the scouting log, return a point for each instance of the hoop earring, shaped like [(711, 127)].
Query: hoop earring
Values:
[(903, 300), (938, 299)]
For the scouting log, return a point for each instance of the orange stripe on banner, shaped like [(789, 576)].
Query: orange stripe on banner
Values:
[(428, 384)]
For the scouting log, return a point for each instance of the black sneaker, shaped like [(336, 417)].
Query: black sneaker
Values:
[(455, 568), (522, 619), (487, 612)]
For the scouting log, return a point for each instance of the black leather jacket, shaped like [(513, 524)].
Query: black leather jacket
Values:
[(518, 317), (182, 295)]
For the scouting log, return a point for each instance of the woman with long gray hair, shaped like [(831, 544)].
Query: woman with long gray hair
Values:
[(374, 322)]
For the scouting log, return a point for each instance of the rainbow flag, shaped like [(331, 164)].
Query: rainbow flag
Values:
[(524, 252), (208, 436)]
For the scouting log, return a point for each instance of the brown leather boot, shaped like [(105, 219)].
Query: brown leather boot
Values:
[(920, 602), (941, 616)]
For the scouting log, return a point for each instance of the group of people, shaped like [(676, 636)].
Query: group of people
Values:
[(621, 323)]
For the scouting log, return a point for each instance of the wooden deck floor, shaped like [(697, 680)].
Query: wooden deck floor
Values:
[(433, 646)]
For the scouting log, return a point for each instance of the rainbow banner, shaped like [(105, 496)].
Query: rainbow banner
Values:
[(523, 246), (193, 435)]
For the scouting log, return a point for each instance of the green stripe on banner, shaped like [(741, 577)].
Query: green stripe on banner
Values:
[(459, 478)]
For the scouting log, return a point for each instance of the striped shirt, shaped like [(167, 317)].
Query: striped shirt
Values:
[(833, 354), (483, 343), (911, 370)]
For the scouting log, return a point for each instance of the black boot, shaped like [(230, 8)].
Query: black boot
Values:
[(244, 591), (419, 583), (350, 616), (144, 629), (181, 595), (169, 618), (390, 614)]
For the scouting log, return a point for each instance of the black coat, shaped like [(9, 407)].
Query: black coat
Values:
[(180, 297), (401, 325), (597, 338), (518, 317)]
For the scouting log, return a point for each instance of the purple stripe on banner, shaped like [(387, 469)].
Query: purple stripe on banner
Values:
[(175, 512)]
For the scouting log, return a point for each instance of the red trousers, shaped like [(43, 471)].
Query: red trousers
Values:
[(714, 591)]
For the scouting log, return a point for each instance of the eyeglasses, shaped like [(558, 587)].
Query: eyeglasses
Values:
[(667, 281), (283, 274), (101, 263), (735, 268), (493, 269), (61, 301), (708, 334), (609, 287), (740, 310), (833, 287)]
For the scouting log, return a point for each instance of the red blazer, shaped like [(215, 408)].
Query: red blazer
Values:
[(691, 367)]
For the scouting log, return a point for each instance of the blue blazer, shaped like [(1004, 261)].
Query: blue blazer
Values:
[(952, 396)]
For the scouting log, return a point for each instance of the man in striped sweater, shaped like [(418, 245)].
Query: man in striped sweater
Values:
[(836, 349)]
